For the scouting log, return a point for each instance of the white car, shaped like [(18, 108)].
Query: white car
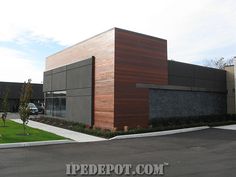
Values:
[(33, 109)]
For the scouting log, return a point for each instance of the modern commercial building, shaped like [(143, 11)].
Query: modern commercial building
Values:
[(122, 78), (15, 91)]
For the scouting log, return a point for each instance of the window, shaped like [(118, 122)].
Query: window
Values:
[(55, 103)]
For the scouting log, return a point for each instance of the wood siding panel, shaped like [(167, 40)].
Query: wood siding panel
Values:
[(122, 59), (102, 47), (138, 59)]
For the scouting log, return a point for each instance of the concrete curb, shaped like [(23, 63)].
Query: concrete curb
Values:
[(35, 143), (161, 133)]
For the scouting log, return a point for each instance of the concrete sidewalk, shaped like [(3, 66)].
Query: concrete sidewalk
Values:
[(76, 136), (227, 127)]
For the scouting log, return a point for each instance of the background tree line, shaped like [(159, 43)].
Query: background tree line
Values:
[(220, 63)]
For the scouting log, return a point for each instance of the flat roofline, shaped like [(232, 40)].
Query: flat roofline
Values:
[(114, 28), (81, 42), (208, 67), (7, 82), (142, 34), (229, 66)]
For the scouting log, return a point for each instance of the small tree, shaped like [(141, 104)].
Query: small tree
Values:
[(5, 106), (24, 111)]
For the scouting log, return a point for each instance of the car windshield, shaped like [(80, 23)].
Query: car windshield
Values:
[(31, 105)]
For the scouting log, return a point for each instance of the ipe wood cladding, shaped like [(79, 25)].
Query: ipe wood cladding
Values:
[(102, 47), (122, 59), (138, 59)]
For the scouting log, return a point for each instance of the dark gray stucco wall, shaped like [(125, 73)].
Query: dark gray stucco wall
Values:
[(176, 103), (77, 80), (183, 74), (15, 91)]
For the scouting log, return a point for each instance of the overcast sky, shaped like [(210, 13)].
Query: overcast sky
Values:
[(31, 30)]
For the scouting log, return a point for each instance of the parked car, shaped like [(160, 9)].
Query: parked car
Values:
[(40, 107), (33, 109)]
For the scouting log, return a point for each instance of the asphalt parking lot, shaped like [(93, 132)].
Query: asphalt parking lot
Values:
[(210, 152), (11, 115)]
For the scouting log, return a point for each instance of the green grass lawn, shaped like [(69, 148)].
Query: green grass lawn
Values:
[(13, 133)]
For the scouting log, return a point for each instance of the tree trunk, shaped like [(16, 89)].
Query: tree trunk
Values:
[(24, 128)]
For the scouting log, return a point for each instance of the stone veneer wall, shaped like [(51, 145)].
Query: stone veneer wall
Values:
[(177, 103)]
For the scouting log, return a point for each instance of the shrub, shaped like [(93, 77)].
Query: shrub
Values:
[(159, 124)]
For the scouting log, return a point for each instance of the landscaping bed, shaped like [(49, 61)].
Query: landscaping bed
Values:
[(13, 133), (159, 124)]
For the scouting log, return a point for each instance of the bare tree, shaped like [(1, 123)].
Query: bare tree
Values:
[(24, 111), (220, 63)]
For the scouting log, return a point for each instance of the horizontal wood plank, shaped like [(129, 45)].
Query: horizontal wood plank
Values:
[(138, 59)]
